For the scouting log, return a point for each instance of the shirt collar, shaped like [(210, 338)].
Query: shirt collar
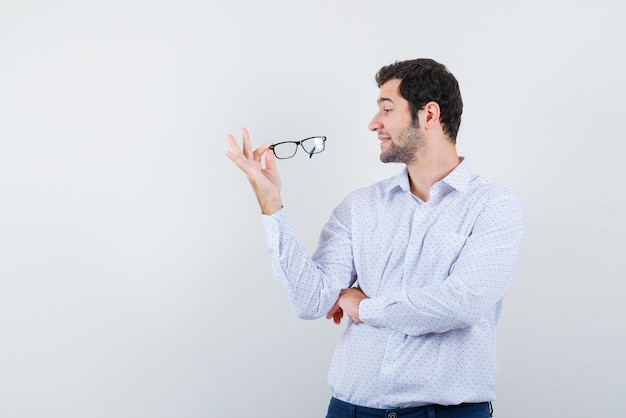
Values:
[(458, 179)]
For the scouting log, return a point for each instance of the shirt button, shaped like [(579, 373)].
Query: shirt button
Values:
[(392, 415)]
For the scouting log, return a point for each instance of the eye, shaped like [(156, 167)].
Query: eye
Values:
[(385, 111)]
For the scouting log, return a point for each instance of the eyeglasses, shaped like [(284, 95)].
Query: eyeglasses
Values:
[(287, 149)]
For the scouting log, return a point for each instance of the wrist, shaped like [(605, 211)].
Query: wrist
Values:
[(270, 208)]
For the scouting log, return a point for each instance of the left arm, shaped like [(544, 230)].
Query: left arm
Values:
[(476, 282)]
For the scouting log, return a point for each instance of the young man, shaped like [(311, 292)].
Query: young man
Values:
[(418, 262)]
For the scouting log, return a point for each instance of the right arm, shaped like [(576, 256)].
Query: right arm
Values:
[(313, 283)]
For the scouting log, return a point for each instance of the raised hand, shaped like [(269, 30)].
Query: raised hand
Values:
[(265, 181)]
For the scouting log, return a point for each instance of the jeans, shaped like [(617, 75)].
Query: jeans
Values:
[(341, 409)]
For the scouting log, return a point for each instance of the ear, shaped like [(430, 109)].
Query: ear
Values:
[(431, 115)]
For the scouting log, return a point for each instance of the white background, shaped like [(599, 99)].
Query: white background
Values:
[(134, 278)]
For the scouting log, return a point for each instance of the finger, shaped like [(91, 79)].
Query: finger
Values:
[(270, 161), (247, 148), (331, 312), (235, 153), (233, 144), (338, 316), (258, 153)]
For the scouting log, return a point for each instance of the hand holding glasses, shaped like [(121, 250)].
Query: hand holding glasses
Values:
[(287, 149)]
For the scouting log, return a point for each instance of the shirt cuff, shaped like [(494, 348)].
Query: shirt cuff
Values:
[(272, 226), (372, 311)]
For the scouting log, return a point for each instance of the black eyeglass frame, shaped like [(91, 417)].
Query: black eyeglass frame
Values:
[(301, 143)]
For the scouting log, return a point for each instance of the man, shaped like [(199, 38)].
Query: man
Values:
[(418, 262)]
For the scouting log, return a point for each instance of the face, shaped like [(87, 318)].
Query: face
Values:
[(399, 138)]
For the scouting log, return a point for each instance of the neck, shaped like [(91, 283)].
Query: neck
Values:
[(429, 168)]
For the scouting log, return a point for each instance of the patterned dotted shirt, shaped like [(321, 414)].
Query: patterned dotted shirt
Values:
[(435, 273)]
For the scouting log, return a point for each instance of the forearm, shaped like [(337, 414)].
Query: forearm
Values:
[(434, 309), (312, 287), (479, 274)]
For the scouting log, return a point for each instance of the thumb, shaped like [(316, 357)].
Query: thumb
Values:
[(270, 159)]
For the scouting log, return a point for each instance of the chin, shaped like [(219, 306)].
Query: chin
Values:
[(386, 158)]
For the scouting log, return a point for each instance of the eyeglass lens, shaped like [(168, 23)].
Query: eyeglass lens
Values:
[(285, 149), (313, 145)]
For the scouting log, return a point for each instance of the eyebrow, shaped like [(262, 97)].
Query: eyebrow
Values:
[(384, 99)]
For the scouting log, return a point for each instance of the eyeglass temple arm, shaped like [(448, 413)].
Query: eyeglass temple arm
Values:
[(313, 151)]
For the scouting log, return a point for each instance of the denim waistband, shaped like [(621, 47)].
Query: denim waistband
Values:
[(440, 411)]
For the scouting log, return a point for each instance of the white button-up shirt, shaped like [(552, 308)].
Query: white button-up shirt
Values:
[(435, 273)]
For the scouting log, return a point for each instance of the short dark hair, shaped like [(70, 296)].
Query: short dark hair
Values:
[(424, 80)]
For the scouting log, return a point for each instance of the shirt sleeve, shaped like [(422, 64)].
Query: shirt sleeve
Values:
[(479, 275), (312, 283)]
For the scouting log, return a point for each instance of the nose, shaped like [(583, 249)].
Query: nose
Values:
[(375, 124)]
